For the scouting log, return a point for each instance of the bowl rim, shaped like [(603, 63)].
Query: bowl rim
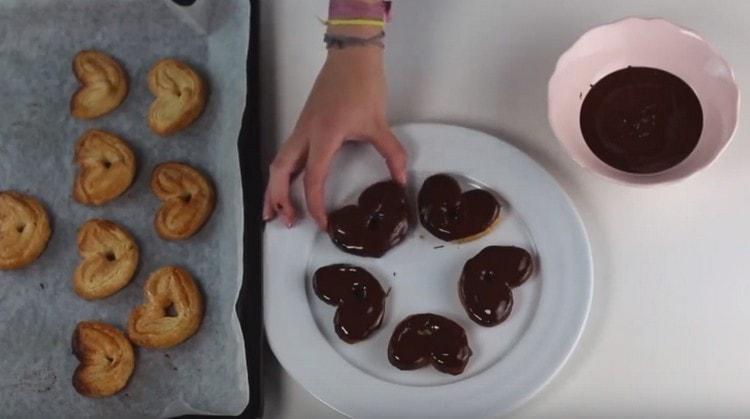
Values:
[(644, 179)]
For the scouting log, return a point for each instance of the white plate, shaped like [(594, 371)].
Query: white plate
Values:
[(511, 362)]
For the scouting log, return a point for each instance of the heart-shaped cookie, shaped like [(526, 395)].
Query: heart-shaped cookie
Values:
[(357, 294), (24, 230), (378, 222), (454, 216), (110, 257), (106, 359), (187, 197), (487, 279), (423, 339), (180, 96), (173, 310), (103, 84), (106, 167)]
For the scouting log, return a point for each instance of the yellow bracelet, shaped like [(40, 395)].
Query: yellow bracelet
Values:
[(355, 22)]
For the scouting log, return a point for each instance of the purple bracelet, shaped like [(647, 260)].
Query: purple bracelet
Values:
[(355, 9)]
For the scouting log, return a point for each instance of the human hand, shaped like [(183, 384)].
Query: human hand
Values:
[(347, 103)]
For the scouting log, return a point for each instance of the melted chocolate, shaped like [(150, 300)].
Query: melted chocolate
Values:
[(358, 295), (451, 215), (487, 279), (423, 339), (641, 120), (371, 228)]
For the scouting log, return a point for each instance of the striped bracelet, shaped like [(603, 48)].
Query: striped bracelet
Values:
[(336, 41)]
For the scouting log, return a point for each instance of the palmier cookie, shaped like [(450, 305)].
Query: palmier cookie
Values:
[(110, 257), (187, 197), (453, 215), (104, 85), (173, 310), (24, 230), (180, 96), (106, 167), (106, 359)]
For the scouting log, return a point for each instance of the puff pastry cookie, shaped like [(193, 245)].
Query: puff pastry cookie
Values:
[(24, 230), (106, 167), (180, 96), (110, 256), (106, 359), (103, 84), (187, 198), (172, 313)]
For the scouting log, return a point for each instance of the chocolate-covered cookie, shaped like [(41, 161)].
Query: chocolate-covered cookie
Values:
[(451, 215), (378, 222), (423, 339), (487, 279), (357, 294)]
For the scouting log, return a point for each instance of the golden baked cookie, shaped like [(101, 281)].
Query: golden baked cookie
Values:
[(106, 167), (110, 256), (106, 359), (172, 313), (187, 198), (103, 84), (24, 230), (180, 96)]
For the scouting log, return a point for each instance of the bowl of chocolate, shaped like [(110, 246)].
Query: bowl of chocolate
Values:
[(643, 101)]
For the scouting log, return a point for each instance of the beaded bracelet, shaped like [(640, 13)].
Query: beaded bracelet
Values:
[(344, 41)]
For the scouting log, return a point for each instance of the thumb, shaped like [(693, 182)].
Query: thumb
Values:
[(394, 154)]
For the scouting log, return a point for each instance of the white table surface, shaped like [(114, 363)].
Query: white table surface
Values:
[(669, 330)]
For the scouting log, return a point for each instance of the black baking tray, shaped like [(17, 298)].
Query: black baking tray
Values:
[(250, 302)]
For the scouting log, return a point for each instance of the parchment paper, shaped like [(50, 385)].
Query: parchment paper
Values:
[(38, 308)]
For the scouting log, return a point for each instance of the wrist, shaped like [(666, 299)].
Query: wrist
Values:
[(368, 55)]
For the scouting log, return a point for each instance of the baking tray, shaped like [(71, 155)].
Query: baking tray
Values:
[(37, 306)]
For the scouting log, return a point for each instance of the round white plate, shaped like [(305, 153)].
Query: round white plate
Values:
[(511, 362)]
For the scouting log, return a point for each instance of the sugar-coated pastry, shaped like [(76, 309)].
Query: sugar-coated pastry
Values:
[(180, 96), (104, 84), (451, 215), (106, 167), (187, 197), (24, 230), (173, 310), (110, 257), (106, 359)]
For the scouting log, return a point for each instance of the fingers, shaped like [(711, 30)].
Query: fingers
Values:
[(394, 154), (316, 172), (277, 200)]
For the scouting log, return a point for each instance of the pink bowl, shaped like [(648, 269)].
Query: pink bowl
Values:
[(644, 43)]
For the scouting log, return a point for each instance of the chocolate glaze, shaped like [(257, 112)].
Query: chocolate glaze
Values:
[(371, 228), (641, 120), (451, 215), (358, 295), (423, 339), (487, 279)]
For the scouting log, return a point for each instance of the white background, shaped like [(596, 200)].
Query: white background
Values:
[(669, 331)]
